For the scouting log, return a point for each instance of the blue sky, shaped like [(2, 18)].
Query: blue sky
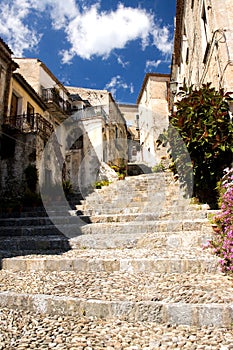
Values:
[(103, 44)]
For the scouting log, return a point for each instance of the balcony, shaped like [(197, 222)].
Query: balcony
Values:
[(30, 123), (55, 102), (89, 113)]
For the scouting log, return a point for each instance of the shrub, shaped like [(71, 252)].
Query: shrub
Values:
[(204, 126), (101, 183), (222, 242), (158, 168)]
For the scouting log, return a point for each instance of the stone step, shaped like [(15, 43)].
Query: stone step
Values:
[(165, 240), (132, 207), (152, 193), (140, 202), (201, 225), (198, 315), (188, 214), (39, 221), (25, 244), (81, 210), (140, 190), (71, 230), (109, 241), (39, 212), (162, 263), (117, 290)]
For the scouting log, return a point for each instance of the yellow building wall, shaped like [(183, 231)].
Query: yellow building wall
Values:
[(24, 99)]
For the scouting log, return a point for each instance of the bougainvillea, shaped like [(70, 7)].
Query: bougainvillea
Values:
[(222, 242)]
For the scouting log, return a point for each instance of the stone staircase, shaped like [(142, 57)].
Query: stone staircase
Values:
[(136, 254), (35, 230)]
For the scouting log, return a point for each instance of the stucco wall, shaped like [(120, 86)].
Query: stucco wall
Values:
[(25, 98)]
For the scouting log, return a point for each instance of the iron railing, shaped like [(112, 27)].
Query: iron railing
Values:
[(30, 123), (51, 95), (89, 113)]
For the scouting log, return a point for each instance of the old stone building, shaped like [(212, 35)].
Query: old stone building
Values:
[(153, 115), (203, 44), (103, 135), (25, 131), (131, 115), (85, 128), (7, 66)]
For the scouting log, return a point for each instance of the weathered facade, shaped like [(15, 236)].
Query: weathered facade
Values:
[(203, 44), (7, 66), (103, 135), (153, 115), (26, 131), (47, 86), (131, 115), (86, 122)]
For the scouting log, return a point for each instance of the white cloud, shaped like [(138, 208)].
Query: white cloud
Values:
[(117, 83), (162, 39), (153, 64), (17, 34), (121, 62), (89, 30), (61, 12), (98, 33)]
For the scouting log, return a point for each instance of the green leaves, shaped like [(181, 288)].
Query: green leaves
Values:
[(202, 120)]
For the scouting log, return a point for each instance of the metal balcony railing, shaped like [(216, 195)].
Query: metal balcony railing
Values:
[(51, 95), (90, 112), (30, 123)]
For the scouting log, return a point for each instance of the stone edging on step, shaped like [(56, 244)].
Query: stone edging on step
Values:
[(219, 315), (160, 265)]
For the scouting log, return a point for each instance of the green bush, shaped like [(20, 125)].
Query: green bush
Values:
[(204, 126), (101, 183), (158, 168)]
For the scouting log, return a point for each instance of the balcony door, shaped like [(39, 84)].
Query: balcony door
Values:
[(14, 108), (30, 115)]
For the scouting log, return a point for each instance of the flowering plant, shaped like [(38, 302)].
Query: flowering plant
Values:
[(222, 242)]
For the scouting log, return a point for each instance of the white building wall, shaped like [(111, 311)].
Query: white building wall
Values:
[(153, 116)]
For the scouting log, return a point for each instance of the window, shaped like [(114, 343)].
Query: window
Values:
[(204, 33), (14, 105), (78, 144), (192, 4), (187, 56), (30, 115), (116, 132)]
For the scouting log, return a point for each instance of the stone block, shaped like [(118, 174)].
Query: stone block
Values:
[(14, 264), (179, 314), (149, 312), (35, 264)]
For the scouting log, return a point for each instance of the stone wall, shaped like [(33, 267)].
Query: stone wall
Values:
[(204, 43), (18, 151), (153, 116)]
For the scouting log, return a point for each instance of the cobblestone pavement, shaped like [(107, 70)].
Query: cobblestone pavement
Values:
[(134, 253), (169, 288), (24, 330)]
